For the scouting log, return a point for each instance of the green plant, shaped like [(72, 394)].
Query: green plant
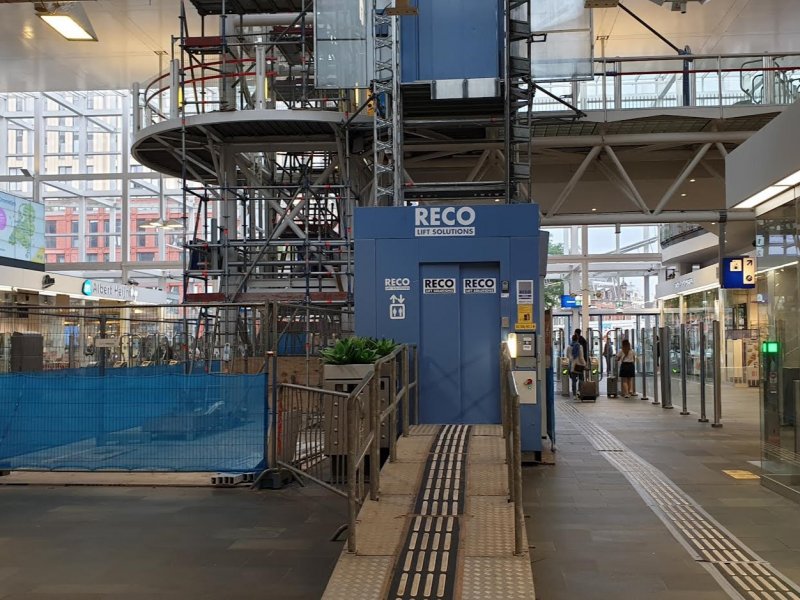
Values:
[(382, 347), (357, 351)]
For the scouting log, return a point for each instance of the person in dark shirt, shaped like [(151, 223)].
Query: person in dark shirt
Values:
[(584, 344)]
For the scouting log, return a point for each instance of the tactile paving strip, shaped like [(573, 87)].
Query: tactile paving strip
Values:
[(732, 563), (427, 567)]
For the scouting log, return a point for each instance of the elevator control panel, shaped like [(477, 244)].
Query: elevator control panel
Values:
[(526, 386)]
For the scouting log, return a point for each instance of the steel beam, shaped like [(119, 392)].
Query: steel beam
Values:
[(677, 216), (682, 177), (576, 177), (627, 179)]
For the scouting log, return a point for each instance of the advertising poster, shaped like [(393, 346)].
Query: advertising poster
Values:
[(21, 229)]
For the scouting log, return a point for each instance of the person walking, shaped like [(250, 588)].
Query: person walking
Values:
[(626, 359), (577, 363), (608, 352), (584, 344)]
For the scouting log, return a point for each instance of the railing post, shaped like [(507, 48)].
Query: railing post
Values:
[(261, 70), (406, 391), (666, 368), (720, 87), (656, 363), (519, 516), (392, 428), (769, 81), (352, 473), (174, 88), (703, 418), (375, 446), (505, 414), (136, 122), (684, 353), (644, 365), (416, 384), (717, 375)]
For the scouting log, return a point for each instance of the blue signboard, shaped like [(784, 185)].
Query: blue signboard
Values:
[(739, 272), (568, 301)]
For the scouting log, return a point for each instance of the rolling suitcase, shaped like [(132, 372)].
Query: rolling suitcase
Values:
[(588, 391), (612, 391)]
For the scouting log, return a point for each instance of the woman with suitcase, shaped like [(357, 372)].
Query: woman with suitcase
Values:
[(627, 368), (577, 363)]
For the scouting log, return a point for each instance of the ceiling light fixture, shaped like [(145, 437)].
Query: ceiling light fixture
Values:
[(68, 19), (692, 180), (761, 196)]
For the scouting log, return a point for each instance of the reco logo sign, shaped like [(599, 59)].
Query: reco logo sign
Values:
[(449, 221), (436, 216), (443, 285), (480, 285)]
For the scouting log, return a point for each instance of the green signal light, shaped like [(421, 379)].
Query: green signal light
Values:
[(770, 347), (565, 371)]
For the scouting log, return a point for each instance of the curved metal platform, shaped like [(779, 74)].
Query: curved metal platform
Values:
[(159, 146)]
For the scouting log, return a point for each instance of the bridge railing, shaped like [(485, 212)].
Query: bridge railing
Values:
[(689, 81)]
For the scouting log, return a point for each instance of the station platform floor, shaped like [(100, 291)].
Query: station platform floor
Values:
[(638, 505), (608, 520)]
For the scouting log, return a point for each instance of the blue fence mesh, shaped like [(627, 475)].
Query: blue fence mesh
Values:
[(148, 419)]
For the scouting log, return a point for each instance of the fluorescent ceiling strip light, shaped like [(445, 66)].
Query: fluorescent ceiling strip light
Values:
[(791, 180), (789, 264), (761, 196), (69, 20)]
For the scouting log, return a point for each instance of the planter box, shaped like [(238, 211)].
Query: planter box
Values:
[(345, 378), (342, 373)]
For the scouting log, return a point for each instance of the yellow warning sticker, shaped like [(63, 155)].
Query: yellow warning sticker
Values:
[(738, 474), (525, 318)]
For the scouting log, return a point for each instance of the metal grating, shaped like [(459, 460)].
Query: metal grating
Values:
[(488, 577), (358, 577), (426, 568), (732, 563)]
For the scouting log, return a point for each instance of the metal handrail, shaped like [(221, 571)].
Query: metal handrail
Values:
[(512, 431), (370, 444)]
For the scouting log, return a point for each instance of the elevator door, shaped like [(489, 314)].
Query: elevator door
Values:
[(459, 344)]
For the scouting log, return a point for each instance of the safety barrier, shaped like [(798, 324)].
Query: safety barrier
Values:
[(151, 388), (334, 439), (132, 419), (509, 407)]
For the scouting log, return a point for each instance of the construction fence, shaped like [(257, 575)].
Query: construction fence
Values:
[(151, 388)]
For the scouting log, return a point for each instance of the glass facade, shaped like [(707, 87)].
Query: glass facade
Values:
[(71, 152), (778, 302)]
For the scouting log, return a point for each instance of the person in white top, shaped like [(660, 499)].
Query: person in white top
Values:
[(577, 363), (626, 359)]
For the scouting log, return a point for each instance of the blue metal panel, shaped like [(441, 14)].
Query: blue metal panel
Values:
[(394, 252), (452, 39), (440, 355), (480, 358), (365, 287)]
